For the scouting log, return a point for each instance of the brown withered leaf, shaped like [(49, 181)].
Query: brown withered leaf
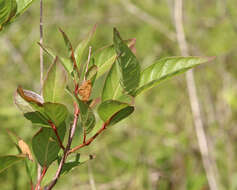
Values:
[(30, 96), (85, 90), (25, 149)]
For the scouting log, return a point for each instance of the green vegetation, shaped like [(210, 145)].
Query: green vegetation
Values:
[(155, 147)]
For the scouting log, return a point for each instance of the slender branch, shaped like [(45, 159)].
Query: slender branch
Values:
[(56, 133), (41, 69), (41, 177), (67, 149), (89, 141), (208, 163), (41, 42)]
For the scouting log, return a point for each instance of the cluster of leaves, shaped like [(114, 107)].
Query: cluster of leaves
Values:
[(124, 81), (11, 9)]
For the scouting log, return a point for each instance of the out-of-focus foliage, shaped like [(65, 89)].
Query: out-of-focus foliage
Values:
[(156, 148)]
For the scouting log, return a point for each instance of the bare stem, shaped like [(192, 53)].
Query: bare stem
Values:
[(41, 71), (41, 42), (67, 149), (88, 62), (208, 163)]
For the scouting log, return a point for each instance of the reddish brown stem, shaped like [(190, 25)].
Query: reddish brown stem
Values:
[(41, 177), (84, 135), (89, 141), (56, 133), (66, 151)]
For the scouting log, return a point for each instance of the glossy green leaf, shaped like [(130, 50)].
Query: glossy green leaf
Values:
[(9, 160), (129, 66), (166, 68), (114, 111), (91, 73), (121, 115), (106, 56), (66, 62), (57, 113), (54, 83), (112, 89), (8, 9), (45, 144), (81, 48), (22, 5)]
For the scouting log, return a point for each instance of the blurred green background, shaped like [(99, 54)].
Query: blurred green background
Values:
[(155, 148)]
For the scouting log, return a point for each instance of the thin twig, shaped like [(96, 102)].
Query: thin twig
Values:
[(41, 70), (56, 133), (66, 151), (89, 141), (88, 62), (208, 162), (41, 42)]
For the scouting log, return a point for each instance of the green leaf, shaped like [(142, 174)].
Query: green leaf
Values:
[(54, 83), (31, 169), (89, 124), (9, 160), (87, 116), (57, 113), (129, 66), (112, 89), (8, 10), (80, 49), (67, 64), (22, 5), (106, 56), (91, 73), (166, 68), (74, 160), (45, 144), (37, 119), (114, 111)]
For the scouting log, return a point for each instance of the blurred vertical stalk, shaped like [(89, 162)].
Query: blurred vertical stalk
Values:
[(41, 70), (208, 163)]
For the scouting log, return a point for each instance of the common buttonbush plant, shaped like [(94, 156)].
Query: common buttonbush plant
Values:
[(51, 146)]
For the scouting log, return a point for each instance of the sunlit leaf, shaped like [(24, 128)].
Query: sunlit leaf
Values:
[(166, 68), (112, 89), (8, 10), (22, 5), (129, 66), (45, 144), (56, 112), (54, 83), (66, 62), (81, 48), (106, 56), (114, 111)]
